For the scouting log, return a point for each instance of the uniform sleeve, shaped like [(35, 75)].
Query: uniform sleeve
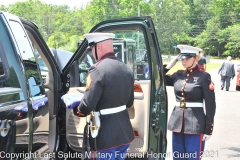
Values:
[(94, 88), (170, 79), (131, 99), (210, 104)]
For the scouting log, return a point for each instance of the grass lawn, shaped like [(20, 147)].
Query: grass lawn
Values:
[(179, 66)]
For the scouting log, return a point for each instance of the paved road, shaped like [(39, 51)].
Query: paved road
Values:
[(225, 141)]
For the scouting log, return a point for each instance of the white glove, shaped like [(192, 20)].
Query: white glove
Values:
[(206, 137), (172, 63)]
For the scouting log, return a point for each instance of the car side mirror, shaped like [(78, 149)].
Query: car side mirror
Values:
[(34, 87)]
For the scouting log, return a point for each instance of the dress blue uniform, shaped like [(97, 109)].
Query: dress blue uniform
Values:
[(109, 90), (188, 122)]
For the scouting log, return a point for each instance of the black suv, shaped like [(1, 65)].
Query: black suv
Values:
[(34, 119)]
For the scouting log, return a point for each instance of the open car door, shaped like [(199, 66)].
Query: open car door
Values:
[(135, 44), (29, 106)]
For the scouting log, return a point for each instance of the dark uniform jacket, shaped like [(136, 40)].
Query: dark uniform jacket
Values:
[(193, 86), (111, 85)]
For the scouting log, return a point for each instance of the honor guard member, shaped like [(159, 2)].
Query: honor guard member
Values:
[(194, 92), (109, 91)]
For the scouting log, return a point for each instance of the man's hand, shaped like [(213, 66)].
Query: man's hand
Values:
[(206, 137), (77, 112)]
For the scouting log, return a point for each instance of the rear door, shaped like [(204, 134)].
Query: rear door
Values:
[(36, 102), (148, 115)]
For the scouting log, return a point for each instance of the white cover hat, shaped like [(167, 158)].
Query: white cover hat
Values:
[(188, 51), (98, 37)]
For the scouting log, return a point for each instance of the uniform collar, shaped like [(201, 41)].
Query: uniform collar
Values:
[(192, 69), (108, 55)]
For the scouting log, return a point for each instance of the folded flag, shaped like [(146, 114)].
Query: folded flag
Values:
[(37, 104), (72, 100)]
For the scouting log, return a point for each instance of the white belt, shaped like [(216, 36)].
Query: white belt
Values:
[(112, 110), (190, 104)]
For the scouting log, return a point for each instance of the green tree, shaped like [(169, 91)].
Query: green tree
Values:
[(171, 23), (233, 42), (100, 10)]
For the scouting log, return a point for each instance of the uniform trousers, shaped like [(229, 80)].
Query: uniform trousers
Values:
[(187, 146), (227, 80), (117, 153)]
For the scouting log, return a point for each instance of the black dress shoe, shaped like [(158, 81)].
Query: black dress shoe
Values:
[(227, 90), (222, 87)]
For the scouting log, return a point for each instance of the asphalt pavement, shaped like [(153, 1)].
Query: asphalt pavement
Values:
[(225, 141)]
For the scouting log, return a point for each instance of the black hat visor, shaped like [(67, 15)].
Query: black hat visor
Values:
[(186, 55)]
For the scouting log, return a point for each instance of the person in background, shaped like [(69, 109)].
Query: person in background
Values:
[(194, 91), (202, 64), (226, 72), (109, 91), (238, 77)]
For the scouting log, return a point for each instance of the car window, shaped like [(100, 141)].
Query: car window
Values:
[(84, 65), (132, 41), (129, 47), (1, 67), (28, 57), (14, 81)]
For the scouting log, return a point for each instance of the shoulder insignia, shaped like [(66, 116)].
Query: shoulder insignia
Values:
[(211, 86), (89, 81)]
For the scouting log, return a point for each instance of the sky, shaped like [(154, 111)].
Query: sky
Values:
[(70, 3)]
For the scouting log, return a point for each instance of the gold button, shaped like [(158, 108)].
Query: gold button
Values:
[(187, 74), (186, 79), (183, 94), (211, 129), (182, 98), (184, 83), (191, 70), (182, 88)]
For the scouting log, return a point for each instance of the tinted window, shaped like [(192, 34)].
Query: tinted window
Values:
[(1, 67), (14, 81), (32, 71), (129, 46)]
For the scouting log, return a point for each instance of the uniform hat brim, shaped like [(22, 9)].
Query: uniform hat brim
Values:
[(188, 51), (186, 55), (98, 37)]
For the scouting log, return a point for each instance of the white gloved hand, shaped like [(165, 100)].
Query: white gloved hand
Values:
[(206, 137), (172, 63)]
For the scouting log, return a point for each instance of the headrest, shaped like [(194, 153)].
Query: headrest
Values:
[(188, 51), (98, 37)]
